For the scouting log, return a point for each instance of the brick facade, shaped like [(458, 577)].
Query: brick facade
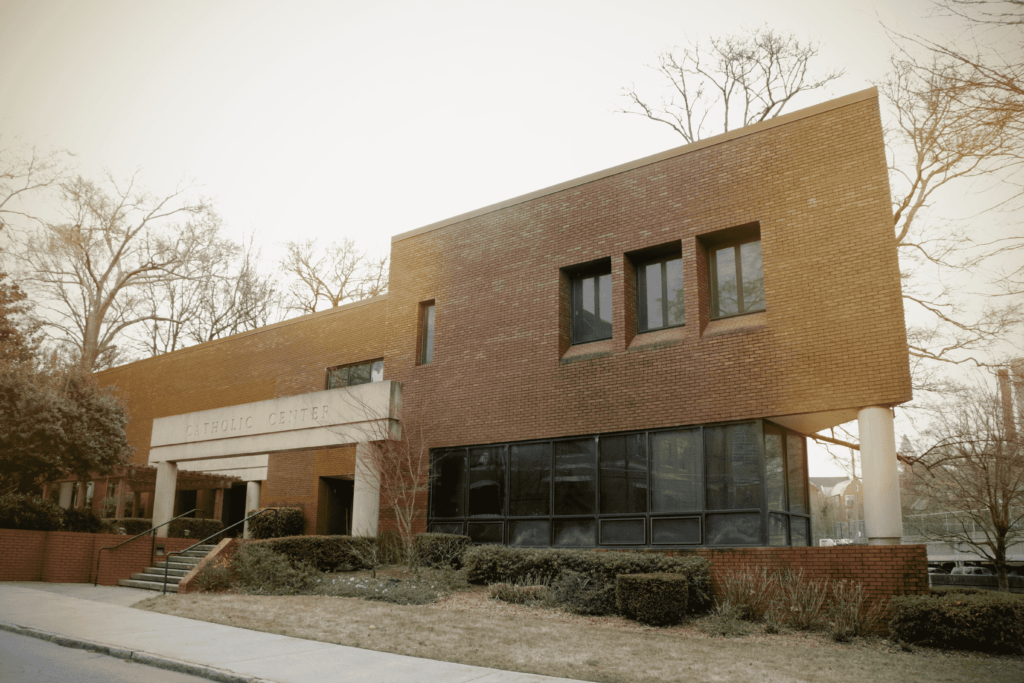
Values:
[(831, 337)]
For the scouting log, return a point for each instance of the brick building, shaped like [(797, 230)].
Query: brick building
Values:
[(631, 358)]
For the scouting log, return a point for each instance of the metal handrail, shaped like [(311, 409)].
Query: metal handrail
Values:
[(99, 555), (167, 557)]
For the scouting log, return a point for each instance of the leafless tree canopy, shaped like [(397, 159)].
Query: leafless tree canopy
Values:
[(975, 472), (23, 173), (733, 81), (329, 276), (92, 270)]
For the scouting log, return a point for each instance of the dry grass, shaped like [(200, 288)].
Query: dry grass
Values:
[(469, 628)]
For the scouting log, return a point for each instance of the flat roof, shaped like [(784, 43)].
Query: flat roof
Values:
[(646, 161)]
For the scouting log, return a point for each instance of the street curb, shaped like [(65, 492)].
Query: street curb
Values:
[(138, 656)]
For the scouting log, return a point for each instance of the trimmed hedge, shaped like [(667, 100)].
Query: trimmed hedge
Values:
[(656, 599), (278, 524), (197, 529), (133, 526), (324, 553), (30, 513), (594, 587), (441, 550), (990, 622)]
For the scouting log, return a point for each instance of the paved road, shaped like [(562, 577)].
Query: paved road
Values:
[(30, 660)]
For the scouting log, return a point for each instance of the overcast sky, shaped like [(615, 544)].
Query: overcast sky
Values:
[(367, 119)]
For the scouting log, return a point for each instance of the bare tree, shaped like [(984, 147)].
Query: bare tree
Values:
[(215, 297), (25, 172), (975, 471), (939, 138), (90, 272), (331, 276), (736, 81)]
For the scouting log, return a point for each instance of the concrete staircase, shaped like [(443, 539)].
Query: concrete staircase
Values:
[(152, 578)]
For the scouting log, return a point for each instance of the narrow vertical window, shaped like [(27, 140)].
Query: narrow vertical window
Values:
[(591, 308), (427, 334), (659, 287), (737, 279)]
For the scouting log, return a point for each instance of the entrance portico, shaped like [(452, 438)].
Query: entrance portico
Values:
[(221, 439)]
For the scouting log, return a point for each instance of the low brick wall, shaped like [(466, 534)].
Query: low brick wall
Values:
[(883, 570), (69, 557)]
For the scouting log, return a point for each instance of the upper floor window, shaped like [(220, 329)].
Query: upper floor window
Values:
[(359, 373), (737, 278), (851, 501), (427, 333), (592, 305), (659, 294)]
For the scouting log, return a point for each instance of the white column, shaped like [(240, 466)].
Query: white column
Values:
[(365, 494), (883, 517), (66, 488), (252, 503), (163, 496)]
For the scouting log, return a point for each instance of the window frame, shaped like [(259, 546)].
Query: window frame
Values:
[(596, 270), (427, 331), (460, 523), (642, 290), (733, 238), (347, 366)]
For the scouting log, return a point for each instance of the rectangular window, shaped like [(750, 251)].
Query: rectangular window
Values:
[(427, 333), (575, 477), (775, 468), (735, 480), (529, 480), (359, 373), (851, 501), (659, 294), (591, 307), (623, 468), (737, 279), (795, 462), (486, 481), (677, 472)]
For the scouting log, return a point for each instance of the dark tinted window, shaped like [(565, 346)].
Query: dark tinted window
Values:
[(575, 477), (591, 308), (351, 375), (677, 475), (447, 485), (734, 480), (623, 474), (486, 481), (529, 479)]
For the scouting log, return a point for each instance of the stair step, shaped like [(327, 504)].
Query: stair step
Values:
[(156, 578), (182, 566), (170, 572), (147, 585), (195, 553)]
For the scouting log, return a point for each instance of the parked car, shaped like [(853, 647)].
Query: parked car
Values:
[(973, 571), (936, 570)]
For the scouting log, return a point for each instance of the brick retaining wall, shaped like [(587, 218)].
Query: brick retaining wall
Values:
[(70, 557)]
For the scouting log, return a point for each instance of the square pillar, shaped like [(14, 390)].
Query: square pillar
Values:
[(137, 510), (883, 516), (252, 503), (218, 504), (365, 493), (122, 490), (163, 496)]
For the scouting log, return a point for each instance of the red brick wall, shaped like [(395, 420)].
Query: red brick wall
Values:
[(68, 557), (293, 479), (21, 555)]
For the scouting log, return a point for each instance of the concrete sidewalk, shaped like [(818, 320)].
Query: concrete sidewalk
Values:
[(79, 615)]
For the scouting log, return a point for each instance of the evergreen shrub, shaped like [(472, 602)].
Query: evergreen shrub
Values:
[(323, 553), (197, 529), (84, 521), (657, 599), (133, 526), (279, 523), (441, 551), (30, 513), (594, 574), (258, 570), (990, 622)]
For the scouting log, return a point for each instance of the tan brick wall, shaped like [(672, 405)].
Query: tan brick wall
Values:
[(832, 335), (293, 479)]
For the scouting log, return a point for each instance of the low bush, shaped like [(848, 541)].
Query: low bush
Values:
[(752, 591), (655, 599), (384, 590), (30, 513), (590, 576), (277, 523), (724, 620), (197, 529), (526, 593), (803, 600), (258, 570), (850, 613), (133, 526), (324, 553), (84, 521), (990, 622), (441, 551), (215, 576)]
